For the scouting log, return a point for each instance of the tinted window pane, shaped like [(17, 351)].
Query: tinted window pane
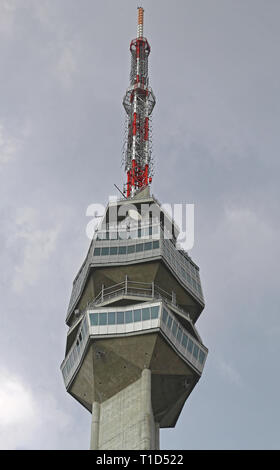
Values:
[(195, 351), (150, 230), (146, 231), (201, 356), (111, 318), (179, 335), (137, 315), (156, 244), (139, 247), (113, 236), (184, 340), (93, 319), (120, 318), (122, 250), (164, 315), (154, 312), (169, 322), (131, 249), (190, 345), (113, 250), (128, 316), (103, 318), (145, 314), (105, 251), (96, 252), (174, 328), (148, 246)]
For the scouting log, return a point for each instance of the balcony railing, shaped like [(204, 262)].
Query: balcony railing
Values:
[(132, 288)]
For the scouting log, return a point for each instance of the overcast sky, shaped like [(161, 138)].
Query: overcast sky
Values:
[(214, 68)]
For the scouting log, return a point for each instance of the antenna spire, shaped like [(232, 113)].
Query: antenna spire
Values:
[(138, 102), (140, 22)]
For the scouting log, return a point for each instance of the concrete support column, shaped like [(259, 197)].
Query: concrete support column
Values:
[(125, 421), (95, 422), (147, 423), (157, 430)]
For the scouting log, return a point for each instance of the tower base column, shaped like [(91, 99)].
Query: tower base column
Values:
[(125, 421)]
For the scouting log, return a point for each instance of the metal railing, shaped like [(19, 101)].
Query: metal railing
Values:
[(132, 288)]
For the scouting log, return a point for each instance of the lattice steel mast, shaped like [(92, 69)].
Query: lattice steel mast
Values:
[(138, 102)]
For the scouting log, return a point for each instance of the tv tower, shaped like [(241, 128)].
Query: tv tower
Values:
[(133, 353)]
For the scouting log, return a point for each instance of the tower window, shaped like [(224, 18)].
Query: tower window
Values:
[(146, 231), (137, 315), (174, 328), (201, 356), (190, 345), (195, 351), (148, 246), (145, 314), (185, 340), (113, 235), (93, 319), (120, 318), (164, 315), (154, 312), (169, 322), (103, 318), (111, 318), (139, 247), (128, 316)]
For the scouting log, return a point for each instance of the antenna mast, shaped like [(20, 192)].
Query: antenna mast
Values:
[(138, 102)]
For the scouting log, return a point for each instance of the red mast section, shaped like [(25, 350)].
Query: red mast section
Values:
[(138, 102)]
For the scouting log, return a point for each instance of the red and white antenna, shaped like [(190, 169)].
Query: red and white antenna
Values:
[(138, 102)]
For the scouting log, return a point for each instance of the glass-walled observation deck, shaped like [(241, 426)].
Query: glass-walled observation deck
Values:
[(133, 320)]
